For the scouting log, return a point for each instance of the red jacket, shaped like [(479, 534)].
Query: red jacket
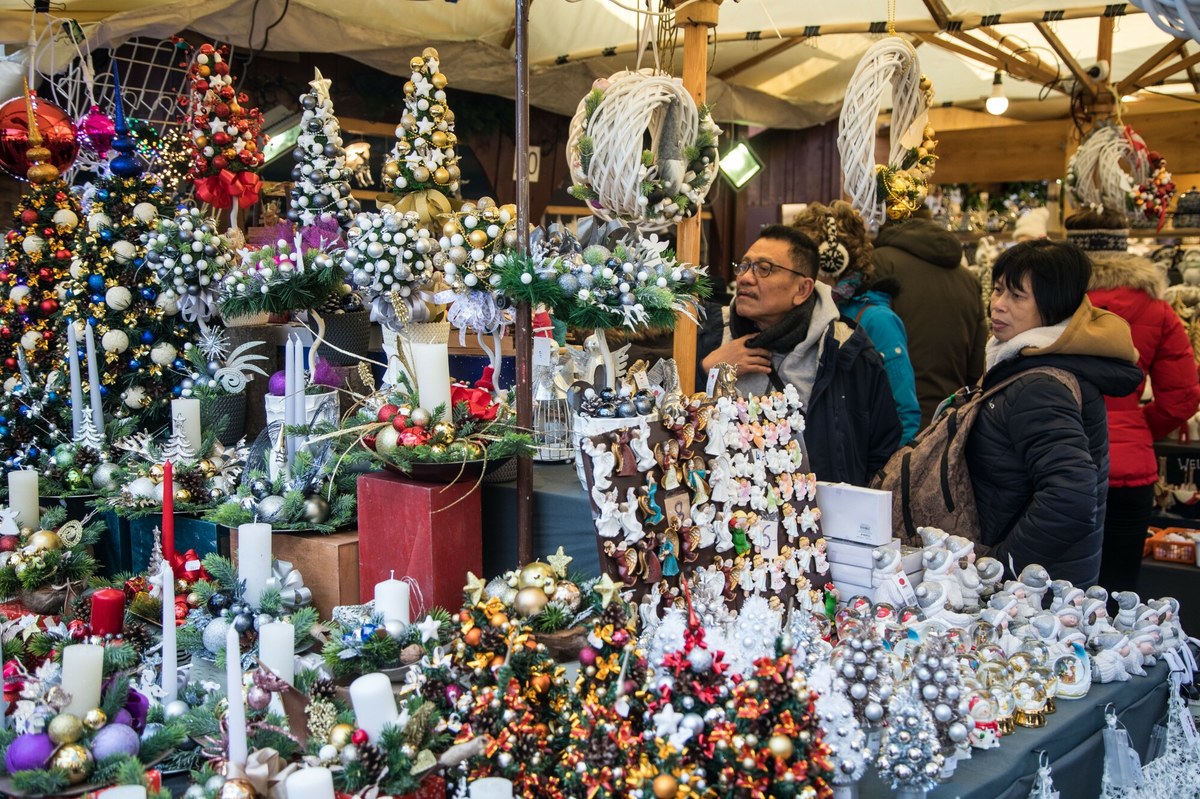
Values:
[(1131, 287)]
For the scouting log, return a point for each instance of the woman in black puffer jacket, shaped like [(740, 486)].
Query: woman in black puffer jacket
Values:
[(1038, 455)]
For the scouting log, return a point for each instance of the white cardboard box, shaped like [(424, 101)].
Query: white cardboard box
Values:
[(853, 554), (843, 573), (853, 513)]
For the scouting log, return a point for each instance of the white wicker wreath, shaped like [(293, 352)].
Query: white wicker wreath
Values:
[(614, 172), (1110, 161), (1179, 18), (891, 61)]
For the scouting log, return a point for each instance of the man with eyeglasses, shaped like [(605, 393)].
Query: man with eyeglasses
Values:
[(786, 329)]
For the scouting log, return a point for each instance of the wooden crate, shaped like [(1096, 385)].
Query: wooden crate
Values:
[(329, 564)]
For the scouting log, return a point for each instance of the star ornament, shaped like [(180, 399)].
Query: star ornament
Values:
[(559, 562), (607, 590), (320, 85), (475, 587), (429, 628)]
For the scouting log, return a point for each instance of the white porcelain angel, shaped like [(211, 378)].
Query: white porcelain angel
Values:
[(809, 518), (719, 480), (608, 525), (603, 463), (724, 534), (790, 521), (641, 448), (631, 525)]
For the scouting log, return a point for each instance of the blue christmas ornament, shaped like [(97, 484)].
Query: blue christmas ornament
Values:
[(106, 234), (102, 195), (125, 164), (34, 452), (147, 336), (177, 391), (96, 282), (52, 396), (97, 298), (179, 364)]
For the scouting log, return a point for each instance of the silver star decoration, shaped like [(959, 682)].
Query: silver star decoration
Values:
[(213, 342), (320, 85)]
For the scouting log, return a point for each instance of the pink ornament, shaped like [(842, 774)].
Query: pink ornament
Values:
[(96, 131), (453, 692), (587, 656), (258, 698)]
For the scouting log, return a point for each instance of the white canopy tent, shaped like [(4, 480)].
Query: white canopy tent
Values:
[(773, 63)]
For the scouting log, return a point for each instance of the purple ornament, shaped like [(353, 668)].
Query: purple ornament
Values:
[(96, 131), (325, 375), (258, 698), (28, 752), (138, 707), (123, 717), (278, 384), (453, 693), (587, 656), (115, 739)]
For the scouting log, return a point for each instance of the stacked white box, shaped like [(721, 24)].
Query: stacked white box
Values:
[(853, 513)]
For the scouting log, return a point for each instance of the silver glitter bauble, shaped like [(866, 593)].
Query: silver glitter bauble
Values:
[(105, 475), (395, 628), (175, 709), (316, 509), (214, 635), (270, 508)]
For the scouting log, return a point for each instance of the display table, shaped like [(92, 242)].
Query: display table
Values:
[(1159, 578), (562, 517), (1071, 739)]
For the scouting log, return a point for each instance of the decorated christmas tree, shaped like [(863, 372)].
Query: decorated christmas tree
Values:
[(225, 133), (939, 684), (38, 255), (424, 158), (908, 755), (321, 181), (139, 332)]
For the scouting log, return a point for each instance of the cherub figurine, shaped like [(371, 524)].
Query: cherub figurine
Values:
[(608, 524)]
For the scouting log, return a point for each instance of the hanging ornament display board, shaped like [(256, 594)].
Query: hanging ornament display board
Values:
[(613, 170), (896, 189), (720, 488)]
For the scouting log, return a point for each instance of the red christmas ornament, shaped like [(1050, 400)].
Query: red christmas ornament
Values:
[(48, 306), (220, 162), (57, 130), (387, 412), (221, 110), (29, 216), (9, 543), (48, 231), (400, 423), (45, 274), (6, 332), (64, 254), (359, 737), (221, 138), (10, 363)]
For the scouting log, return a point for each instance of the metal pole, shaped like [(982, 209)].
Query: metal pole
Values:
[(524, 321)]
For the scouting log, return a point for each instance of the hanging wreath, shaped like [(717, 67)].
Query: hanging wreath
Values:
[(898, 188), (617, 175), (1148, 202), (1111, 162)]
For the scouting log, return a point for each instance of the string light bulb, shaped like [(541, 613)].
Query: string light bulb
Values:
[(997, 104)]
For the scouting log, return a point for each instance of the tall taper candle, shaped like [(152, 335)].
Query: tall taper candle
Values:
[(301, 384), (23, 497), (82, 670), (76, 381), (289, 392), (170, 664), (94, 379), (254, 559), (277, 649), (168, 514), (235, 716)]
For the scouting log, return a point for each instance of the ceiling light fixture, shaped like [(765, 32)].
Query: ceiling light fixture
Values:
[(997, 104)]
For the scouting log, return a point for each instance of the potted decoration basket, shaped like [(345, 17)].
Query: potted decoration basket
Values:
[(219, 379)]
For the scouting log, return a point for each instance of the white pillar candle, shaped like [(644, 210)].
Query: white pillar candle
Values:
[(23, 497), (235, 716), (82, 670), (391, 600), (170, 665), (277, 649), (489, 788), (94, 379), (76, 381), (310, 783), (254, 559), (374, 704), (125, 792), (431, 366), (185, 418)]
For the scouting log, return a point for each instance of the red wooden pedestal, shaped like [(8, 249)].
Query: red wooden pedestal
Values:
[(430, 532)]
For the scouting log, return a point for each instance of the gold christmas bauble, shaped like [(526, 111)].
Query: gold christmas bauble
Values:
[(437, 138), (443, 432), (410, 88), (449, 228), (408, 121), (477, 237), (449, 116), (44, 540), (65, 728), (420, 174), (438, 80), (182, 587), (441, 176), (183, 495), (530, 601), (430, 52), (437, 111), (437, 449), (403, 147), (781, 746), (75, 760), (474, 450), (94, 719), (156, 472), (568, 594), (665, 786), (455, 172), (237, 788), (537, 575), (339, 736), (207, 467), (416, 64), (391, 169)]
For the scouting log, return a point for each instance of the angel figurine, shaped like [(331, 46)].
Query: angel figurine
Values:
[(645, 455), (608, 524), (668, 554), (627, 461), (697, 475), (631, 525), (603, 463), (668, 458), (720, 481), (648, 501)]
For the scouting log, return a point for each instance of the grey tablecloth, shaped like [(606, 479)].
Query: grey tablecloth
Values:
[(562, 516)]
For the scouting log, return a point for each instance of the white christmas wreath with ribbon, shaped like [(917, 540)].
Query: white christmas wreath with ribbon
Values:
[(1110, 161), (617, 175), (896, 189)]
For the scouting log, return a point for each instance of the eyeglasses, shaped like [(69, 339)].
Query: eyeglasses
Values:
[(762, 268)]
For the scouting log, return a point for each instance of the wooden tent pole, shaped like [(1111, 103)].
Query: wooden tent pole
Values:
[(524, 321), (696, 19)]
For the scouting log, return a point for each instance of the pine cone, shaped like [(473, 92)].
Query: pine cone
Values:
[(372, 761), (81, 607), (615, 614), (602, 751), (137, 636), (194, 481), (493, 640), (323, 688), (434, 689), (86, 456)]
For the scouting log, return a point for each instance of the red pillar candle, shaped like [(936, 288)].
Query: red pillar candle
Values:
[(108, 611), (168, 514)]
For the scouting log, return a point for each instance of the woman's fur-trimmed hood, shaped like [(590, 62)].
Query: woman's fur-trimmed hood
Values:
[(1113, 270)]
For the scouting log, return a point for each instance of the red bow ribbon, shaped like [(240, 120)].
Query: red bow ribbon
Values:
[(187, 566), (221, 189), (479, 401)]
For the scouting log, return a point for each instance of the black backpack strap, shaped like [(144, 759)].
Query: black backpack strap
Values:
[(776, 380)]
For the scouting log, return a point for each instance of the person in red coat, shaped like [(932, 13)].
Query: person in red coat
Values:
[(1132, 288)]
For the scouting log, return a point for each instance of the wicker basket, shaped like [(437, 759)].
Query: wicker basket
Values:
[(46, 601), (564, 645), (346, 331), (1173, 551), (227, 414)]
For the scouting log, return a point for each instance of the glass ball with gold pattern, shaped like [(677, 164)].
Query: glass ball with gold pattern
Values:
[(75, 761)]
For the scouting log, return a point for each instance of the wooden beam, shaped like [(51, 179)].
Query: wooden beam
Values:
[(1166, 72), (1193, 76), (1067, 57), (1014, 65), (1166, 51), (939, 12), (765, 55), (1104, 42), (958, 49)]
